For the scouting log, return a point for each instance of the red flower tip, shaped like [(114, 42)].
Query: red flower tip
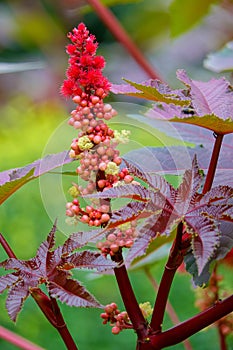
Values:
[(84, 74)]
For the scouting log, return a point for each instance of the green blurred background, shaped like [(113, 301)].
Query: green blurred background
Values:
[(172, 35)]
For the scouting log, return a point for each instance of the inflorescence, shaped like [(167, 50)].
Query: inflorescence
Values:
[(95, 144)]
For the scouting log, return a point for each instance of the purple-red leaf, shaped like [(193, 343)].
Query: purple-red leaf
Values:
[(130, 212), (212, 97), (16, 297), (136, 192), (175, 160), (90, 260), (211, 105), (71, 292), (82, 238), (52, 267), (153, 90), (205, 239), (12, 180), (8, 280)]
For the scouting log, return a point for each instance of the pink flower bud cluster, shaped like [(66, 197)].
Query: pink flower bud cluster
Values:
[(122, 238), (118, 320), (95, 145), (90, 215)]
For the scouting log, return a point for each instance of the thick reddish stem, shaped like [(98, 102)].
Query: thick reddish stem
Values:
[(51, 310), (187, 328), (121, 35), (213, 163), (174, 261), (129, 299), (169, 308), (17, 340)]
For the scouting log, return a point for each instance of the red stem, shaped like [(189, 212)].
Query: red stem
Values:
[(121, 35), (17, 340), (213, 163), (174, 261), (214, 283), (222, 338), (169, 308), (187, 328), (6, 247), (129, 299)]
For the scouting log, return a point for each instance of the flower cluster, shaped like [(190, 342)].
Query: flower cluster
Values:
[(95, 144), (122, 237), (84, 81), (118, 320)]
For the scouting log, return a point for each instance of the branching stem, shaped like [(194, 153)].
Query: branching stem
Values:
[(169, 308), (187, 328)]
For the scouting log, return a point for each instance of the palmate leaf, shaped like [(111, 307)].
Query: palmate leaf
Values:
[(146, 234), (175, 160), (71, 292), (18, 293), (82, 238), (177, 114), (153, 90), (12, 180), (225, 245), (136, 192), (201, 214), (205, 239), (52, 267), (212, 104)]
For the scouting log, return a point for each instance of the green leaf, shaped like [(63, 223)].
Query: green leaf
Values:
[(187, 13)]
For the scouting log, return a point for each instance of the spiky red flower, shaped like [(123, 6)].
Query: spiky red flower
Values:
[(85, 68)]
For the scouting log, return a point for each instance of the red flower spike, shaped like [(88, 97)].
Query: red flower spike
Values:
[(85, 68)]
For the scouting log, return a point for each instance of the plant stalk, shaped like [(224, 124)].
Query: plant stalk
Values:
[(174, 260), (121, 35), (6, 247), (193, 325), (169, 308), (213, 163), (17, 340), (134, 312)]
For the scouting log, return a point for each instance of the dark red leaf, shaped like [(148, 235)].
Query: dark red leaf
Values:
[(71, 292), (16, 297)]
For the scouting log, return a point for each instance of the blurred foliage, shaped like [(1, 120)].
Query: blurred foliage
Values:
[(32, 115), (186, 13)]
